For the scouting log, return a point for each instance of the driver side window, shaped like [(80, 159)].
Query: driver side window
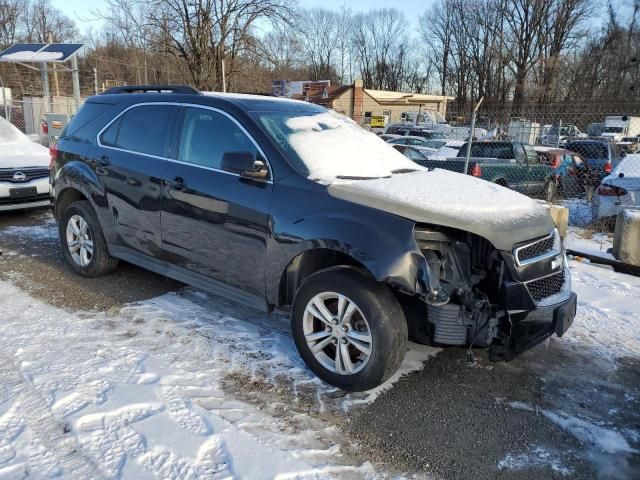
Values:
[(207, 135)]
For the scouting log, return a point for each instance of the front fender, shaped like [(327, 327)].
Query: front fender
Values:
[(386, 247)]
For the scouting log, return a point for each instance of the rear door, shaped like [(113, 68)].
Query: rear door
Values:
[(215, 223), (131, 158)]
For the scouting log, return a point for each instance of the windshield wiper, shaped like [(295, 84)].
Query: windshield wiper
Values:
[(348, 177), (403, 170)]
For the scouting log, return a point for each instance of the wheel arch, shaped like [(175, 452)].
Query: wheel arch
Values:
[(65, 198), (312, 261)]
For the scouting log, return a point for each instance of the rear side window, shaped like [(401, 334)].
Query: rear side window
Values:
[(88, 112), (110, 135), (208, 135), (145, 129)]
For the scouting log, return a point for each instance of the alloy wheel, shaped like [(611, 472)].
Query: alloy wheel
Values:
[(79, 240), (337, 333)]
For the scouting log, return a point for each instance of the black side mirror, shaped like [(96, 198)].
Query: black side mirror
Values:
[(244, 164)]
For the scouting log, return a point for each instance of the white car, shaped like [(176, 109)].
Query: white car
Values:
[(448, 150), (24, 170), (620, 189)]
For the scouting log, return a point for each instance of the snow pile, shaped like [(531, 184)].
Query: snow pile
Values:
[(608, 315), (331, 145), (141, 393), (588, 242)]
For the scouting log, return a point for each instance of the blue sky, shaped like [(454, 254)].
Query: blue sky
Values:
[(80, 10)]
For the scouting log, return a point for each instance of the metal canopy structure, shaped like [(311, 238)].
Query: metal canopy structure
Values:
[(43, 53)]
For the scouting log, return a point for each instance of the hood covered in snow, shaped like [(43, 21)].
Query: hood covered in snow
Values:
[(440, 197), (23, 155), (17, 151)]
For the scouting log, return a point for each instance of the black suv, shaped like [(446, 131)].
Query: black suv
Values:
[(283, 204)]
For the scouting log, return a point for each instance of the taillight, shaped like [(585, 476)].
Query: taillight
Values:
[(475, 171), (53, 154), (611, 191), (607, 167)]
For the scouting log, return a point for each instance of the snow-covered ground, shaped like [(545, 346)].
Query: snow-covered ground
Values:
[(586, 241), (139, 393), (155, 389)]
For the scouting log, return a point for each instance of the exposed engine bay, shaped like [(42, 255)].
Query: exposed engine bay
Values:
[(463, 302)]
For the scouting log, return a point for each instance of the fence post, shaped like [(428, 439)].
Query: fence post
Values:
[(76, 81), (470, 139), (95, 80), (45, 87), (4, 101), (559, 133)]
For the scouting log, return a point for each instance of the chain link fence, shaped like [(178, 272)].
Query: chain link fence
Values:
[(588, 162)]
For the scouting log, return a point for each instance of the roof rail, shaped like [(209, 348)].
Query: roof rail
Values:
[(152, 89)]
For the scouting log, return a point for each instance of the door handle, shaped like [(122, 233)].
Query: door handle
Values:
[(104, 161)]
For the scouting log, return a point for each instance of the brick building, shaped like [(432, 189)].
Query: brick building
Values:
[(361, 103)]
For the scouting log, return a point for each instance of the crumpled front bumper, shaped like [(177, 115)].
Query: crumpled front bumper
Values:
[(529, 328)]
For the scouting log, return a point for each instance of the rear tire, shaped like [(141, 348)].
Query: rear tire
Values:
[(83, 242), (359, 347)]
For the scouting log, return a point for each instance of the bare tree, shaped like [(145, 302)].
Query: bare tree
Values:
[(10, 12), (43, 23), (204, 34), (380, 43)]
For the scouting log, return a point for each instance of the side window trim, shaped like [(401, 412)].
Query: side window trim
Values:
[(178, 133)]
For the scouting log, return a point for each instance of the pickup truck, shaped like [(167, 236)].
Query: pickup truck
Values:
[(510, 164)]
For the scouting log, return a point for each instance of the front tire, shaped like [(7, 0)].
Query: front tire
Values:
[(83, 242), (349, 329)]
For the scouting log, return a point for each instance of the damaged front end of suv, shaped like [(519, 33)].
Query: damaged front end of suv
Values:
[(474, 294), (487, 267)]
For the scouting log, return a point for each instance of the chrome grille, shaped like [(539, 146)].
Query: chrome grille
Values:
[(6, 174), (546, 286), (533, 251)]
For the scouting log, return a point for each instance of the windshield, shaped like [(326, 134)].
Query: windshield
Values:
[(330, 146), (613, 129)]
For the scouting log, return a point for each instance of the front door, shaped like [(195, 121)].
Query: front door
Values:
[(131, 161), (215, 223)]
